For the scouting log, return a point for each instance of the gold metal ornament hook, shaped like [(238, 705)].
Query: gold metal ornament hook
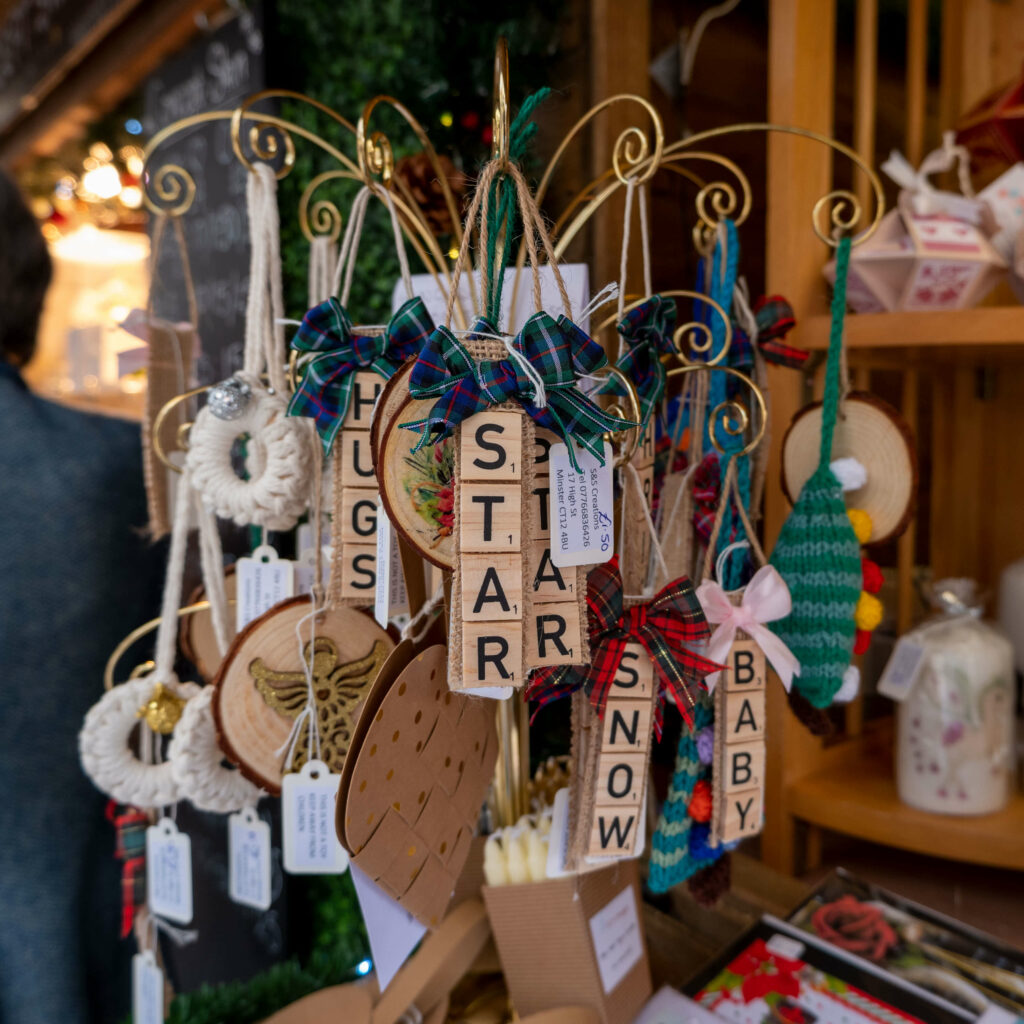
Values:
[(158, 423), (732, 416), (373, 149), (501, 122), (137, 634), (635, 416)]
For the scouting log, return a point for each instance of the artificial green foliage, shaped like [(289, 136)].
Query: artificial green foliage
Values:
[(245, 1002), (437, 57), (337, 922)]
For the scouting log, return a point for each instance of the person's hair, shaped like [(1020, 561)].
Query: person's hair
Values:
[(25, 271)]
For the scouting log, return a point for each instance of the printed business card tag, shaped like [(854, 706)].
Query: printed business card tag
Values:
[(581, 508)]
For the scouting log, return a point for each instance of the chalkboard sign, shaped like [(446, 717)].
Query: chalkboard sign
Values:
[(35, 35), (216, 72)]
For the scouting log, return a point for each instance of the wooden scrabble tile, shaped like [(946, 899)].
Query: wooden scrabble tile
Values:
[(366, 386), (554, 635), (746, 666), (742, 766), (614, 831), (359, 571), (543, 440), (492, 654), (356, 459), (492, 587), (626, 726), (492, 517), (743, 814), (635, 676), (549, 583), (540, 509), (358, 515), (492, 446), (744, 716), (621, 779)]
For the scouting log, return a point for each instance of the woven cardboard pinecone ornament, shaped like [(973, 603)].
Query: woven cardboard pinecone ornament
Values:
[(817, 552)]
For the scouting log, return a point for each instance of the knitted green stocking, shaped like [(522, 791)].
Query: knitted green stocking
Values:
[(817, 552)]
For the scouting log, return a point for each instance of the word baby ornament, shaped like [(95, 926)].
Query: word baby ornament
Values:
[(742, 640)]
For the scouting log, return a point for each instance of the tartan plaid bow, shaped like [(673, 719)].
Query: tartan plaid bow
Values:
[(775, 318), (664, 625), (647, 331), (326, 386), (130, 824), (555, 351)]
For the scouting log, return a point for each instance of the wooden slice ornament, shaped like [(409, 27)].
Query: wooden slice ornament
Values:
[(261, 687), (417, 488), (196, 635), (873, 432), (414, 783)]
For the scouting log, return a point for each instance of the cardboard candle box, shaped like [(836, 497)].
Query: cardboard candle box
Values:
[(574, 941)]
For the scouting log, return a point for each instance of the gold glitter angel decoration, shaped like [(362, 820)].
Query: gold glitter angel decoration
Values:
[(337, 692)]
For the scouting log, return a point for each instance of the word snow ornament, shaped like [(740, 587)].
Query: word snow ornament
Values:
[(817, 552)]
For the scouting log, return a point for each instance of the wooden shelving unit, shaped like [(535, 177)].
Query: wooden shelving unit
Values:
[(987, 327), (956, 365)]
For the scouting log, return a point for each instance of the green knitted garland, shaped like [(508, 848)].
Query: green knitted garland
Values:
[(817, 552)]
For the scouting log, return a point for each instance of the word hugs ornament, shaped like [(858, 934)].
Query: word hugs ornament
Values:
[(739, 752), (623, 758), (262, 688)]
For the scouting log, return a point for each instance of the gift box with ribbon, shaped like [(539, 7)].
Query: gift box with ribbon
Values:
[(930, 253)]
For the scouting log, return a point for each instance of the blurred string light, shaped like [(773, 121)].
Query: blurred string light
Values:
[(447, 120), (364, 967), (133, 126), (102, 181)]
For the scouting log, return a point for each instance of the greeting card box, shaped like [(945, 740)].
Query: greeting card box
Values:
[(772, 976), (573, 941), (929, 950)]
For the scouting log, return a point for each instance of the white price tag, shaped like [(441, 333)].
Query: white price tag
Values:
[(581, 508), (169, 871), (387, 597), (263, 581), (147, 990), (311, 845), (902, 668), (249, 859)]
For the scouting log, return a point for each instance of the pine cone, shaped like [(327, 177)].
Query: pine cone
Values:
[(421, 178)]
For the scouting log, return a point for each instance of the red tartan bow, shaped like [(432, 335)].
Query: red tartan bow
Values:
[(664, 626)]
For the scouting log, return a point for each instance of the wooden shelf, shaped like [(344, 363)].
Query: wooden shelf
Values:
[(996, 327), (861, 800)]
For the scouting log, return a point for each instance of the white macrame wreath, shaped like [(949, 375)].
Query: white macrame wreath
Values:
[(278, 462), (197, 762), (105, 746)]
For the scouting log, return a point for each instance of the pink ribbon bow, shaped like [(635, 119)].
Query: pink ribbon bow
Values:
[(765, 599)]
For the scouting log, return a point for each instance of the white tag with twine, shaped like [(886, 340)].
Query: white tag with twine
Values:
[(390, 597), (169, 872), (147, 989), (249, 859), (581, 508), (311, 845), (263, 581)]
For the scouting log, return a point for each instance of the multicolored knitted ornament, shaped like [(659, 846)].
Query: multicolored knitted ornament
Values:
[(679, 847), (817, 552)]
